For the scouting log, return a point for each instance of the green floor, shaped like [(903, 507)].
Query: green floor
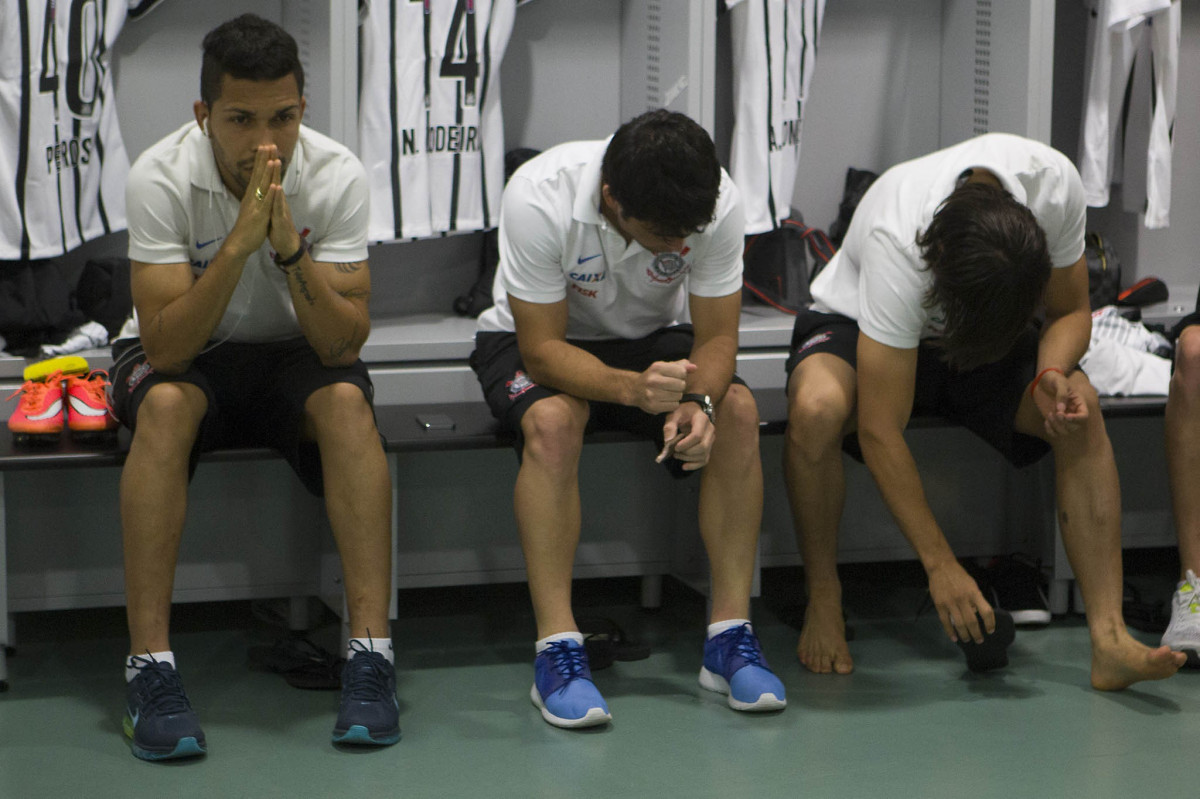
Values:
[(911, 722)]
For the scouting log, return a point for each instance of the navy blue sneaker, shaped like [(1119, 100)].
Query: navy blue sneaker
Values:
[(563, 689), (734, 665), (159, 720), (369, 713)]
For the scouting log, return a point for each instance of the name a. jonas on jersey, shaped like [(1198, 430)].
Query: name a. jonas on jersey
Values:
[(442, 139), (788, 136), (68, 154)]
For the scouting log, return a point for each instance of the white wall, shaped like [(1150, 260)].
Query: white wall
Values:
[(875, 96)]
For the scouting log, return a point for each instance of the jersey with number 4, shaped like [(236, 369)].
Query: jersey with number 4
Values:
[(62, 161), (431, 133)]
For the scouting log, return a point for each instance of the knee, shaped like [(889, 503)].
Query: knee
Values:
[(553, 430), (341, 407), (172, 410), (738, 412), (817, 417), (1187, 362)]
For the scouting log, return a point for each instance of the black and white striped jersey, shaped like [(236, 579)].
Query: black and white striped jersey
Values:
[(1126, 37), (774, 56), (62, 161), (431, 134)]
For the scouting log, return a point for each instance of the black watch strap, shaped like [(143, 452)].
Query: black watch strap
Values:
[(285, 263), (705, 403)]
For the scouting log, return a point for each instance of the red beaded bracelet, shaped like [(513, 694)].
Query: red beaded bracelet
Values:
[(1041, 374)]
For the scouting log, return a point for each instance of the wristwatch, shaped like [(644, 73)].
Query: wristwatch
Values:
[(705, 403)]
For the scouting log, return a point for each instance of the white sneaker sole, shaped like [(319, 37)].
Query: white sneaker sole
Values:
[(594, 717), (717, 684), (1028, 618)]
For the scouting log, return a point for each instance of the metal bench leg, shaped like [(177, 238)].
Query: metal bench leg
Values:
[(5, 619), (652, 586)]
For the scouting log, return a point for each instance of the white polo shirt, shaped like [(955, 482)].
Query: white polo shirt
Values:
[(555, 244), (180, 211), (879, 278)]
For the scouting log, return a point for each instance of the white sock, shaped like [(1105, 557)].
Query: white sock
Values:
[(543, 644), (131, 670), (718, 627), (381, 645)]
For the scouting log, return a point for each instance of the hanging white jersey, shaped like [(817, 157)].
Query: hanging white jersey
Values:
[(62, 161), (774, 55), (1122, 36), (430, 131)]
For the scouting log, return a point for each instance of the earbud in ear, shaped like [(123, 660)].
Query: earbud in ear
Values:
[(206, 133)]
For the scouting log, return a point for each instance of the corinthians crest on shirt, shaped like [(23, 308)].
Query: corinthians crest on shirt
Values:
[(667, 267)]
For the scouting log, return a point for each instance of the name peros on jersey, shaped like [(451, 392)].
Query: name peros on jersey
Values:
[(62, 161)]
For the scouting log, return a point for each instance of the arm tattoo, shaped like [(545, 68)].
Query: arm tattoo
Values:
[(302, 284), (348, 269), (338, 347), (354, 294)]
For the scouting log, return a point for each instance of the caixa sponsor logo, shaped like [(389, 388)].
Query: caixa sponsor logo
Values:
[(587, 277)]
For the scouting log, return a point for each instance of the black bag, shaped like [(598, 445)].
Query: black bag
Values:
[(779, 265), (1104, 271), (857, 183), (104, 294), (479, 297)]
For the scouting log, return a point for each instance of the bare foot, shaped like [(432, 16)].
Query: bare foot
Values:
[(1121, 663), (822, 646)]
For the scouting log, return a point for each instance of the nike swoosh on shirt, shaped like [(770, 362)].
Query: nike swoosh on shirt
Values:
[(582, 260), (200, 245)]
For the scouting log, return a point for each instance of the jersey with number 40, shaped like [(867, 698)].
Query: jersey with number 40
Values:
[(62, 161), (431, 133)]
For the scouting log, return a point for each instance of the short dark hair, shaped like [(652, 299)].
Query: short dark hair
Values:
[(990, 268), (248, 48), (662, 168)]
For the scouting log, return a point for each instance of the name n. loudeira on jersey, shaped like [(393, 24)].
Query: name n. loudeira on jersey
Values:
[(431, 135), (62, 161)]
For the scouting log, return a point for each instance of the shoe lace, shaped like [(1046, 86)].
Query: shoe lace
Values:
[(741, 641), (94, 385), (33, 392), (163, 687), (367, 680), (568, 661)]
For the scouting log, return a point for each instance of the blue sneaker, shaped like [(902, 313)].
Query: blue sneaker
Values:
[(369, 713), (563, 689), (158, 717), (734, 665)]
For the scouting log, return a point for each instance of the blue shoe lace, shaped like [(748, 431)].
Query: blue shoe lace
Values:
[(163, 692), (739, 647), (368, 678), (569, 662)]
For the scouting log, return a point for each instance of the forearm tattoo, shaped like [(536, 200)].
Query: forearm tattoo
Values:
[(302, 284), (348, 269)]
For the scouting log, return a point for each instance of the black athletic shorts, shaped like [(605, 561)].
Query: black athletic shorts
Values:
[(984, 400), (256, 395), (509, 391)]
